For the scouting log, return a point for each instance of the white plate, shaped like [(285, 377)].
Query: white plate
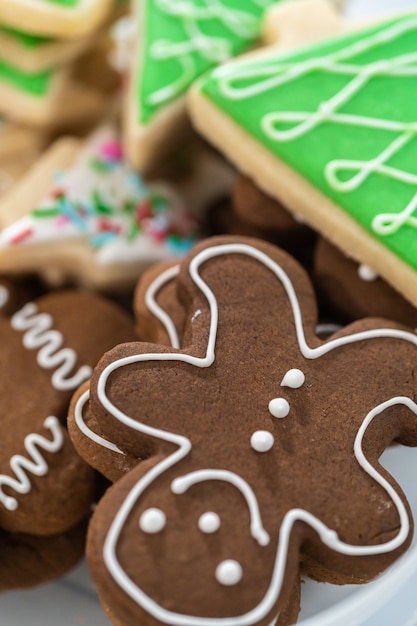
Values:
[(388, 601)]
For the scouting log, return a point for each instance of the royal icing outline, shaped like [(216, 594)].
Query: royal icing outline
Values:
[(183, 444)]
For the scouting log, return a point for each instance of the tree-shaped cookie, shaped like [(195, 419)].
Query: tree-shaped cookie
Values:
[(49, 347), (176, 42), (329, 129), (259, 447)]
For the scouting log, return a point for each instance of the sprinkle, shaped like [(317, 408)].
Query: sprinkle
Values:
[(58, 192), (100, 239), (62, 221), (112, 150), (108, 226), (28, 232), (68, 209), (134, 231), (101, 166), (99, 205), (45, 212), (144, 210)]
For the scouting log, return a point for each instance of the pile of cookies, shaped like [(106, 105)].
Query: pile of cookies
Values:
[(207, 300)]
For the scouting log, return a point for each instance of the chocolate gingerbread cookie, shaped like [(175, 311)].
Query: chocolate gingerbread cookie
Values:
[(254, 419)]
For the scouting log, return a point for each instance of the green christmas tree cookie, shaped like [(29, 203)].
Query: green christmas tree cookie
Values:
[(178, 41), (331, 130)]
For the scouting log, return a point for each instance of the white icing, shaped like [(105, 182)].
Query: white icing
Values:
[(80, 422), (262, 441), (152, 521), (279, 407), (36, 465), (294, 378), (366, 273), (183, 483), (284, 126), (51, 355), (214, 49), (4, 296), (209, 523), (182, 447), (229, 572), (196, 314), (150, 301)]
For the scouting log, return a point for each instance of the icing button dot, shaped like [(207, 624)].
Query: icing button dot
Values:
[(294, 378), (152, 521), (229, 572), (367, 273), (209, 523), (262, 441), (279, 407)]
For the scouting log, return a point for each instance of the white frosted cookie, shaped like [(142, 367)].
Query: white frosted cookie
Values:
[(82, 214)]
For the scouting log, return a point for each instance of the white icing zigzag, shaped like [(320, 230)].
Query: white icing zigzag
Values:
[(213, 49), (36, 465), (50, 356), (183, 446), (277, 73)]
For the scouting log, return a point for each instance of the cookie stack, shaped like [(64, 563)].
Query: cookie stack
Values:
[(39, 43), (207, 303), (41, 87)]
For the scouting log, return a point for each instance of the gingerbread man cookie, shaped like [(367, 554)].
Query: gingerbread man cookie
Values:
[(252, 419)]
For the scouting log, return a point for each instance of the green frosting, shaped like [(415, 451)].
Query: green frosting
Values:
[(343, 114), (64, 3), (183, 39), (25, 39), (33, 84)]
